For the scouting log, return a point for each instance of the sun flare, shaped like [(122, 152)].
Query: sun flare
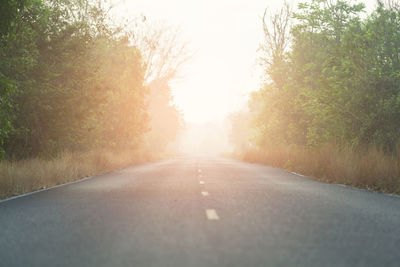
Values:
[(218, 79)]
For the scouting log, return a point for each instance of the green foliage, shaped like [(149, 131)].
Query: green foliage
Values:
[(339, 82), (7, 89), (68, 80), (9, 11)]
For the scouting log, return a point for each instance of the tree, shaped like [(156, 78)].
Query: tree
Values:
[(78, 82), (338, 82), (164, 54)]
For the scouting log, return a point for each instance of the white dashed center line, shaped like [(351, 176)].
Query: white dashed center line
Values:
[(199, 171), (201, 182), (212, 214), (205, 193)]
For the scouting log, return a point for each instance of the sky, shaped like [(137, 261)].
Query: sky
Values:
[(224, 36)]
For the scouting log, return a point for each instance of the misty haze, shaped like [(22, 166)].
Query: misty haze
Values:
[(199, 133)]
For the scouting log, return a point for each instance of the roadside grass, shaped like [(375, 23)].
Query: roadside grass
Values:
[(369, 168), (19, 177)]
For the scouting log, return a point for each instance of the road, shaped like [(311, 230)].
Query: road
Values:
[(200, 212)]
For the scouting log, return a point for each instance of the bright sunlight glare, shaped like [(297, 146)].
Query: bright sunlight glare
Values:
[(224, 37)]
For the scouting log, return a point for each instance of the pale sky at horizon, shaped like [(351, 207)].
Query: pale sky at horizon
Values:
[(225, 35)]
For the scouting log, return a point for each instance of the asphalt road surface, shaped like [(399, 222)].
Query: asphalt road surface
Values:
[(200, 212)]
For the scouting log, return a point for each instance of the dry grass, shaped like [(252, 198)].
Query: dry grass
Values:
[(370, 168), (18, 177)]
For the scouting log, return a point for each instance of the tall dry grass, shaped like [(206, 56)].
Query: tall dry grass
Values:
[(18, 177), (370, 168)]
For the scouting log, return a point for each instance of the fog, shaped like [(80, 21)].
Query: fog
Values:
[(205, 139)]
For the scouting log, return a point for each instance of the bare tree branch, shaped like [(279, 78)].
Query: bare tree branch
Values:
[(276, 29), (162, 49)]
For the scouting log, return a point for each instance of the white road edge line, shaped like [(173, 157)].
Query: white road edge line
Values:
[(212, 214), (205, 193), (47, 188), (298, 174)]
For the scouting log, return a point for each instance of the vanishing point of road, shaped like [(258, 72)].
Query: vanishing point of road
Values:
[(199, 211)]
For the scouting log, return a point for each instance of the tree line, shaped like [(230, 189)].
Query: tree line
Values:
[(72, 79), (332, 75)]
